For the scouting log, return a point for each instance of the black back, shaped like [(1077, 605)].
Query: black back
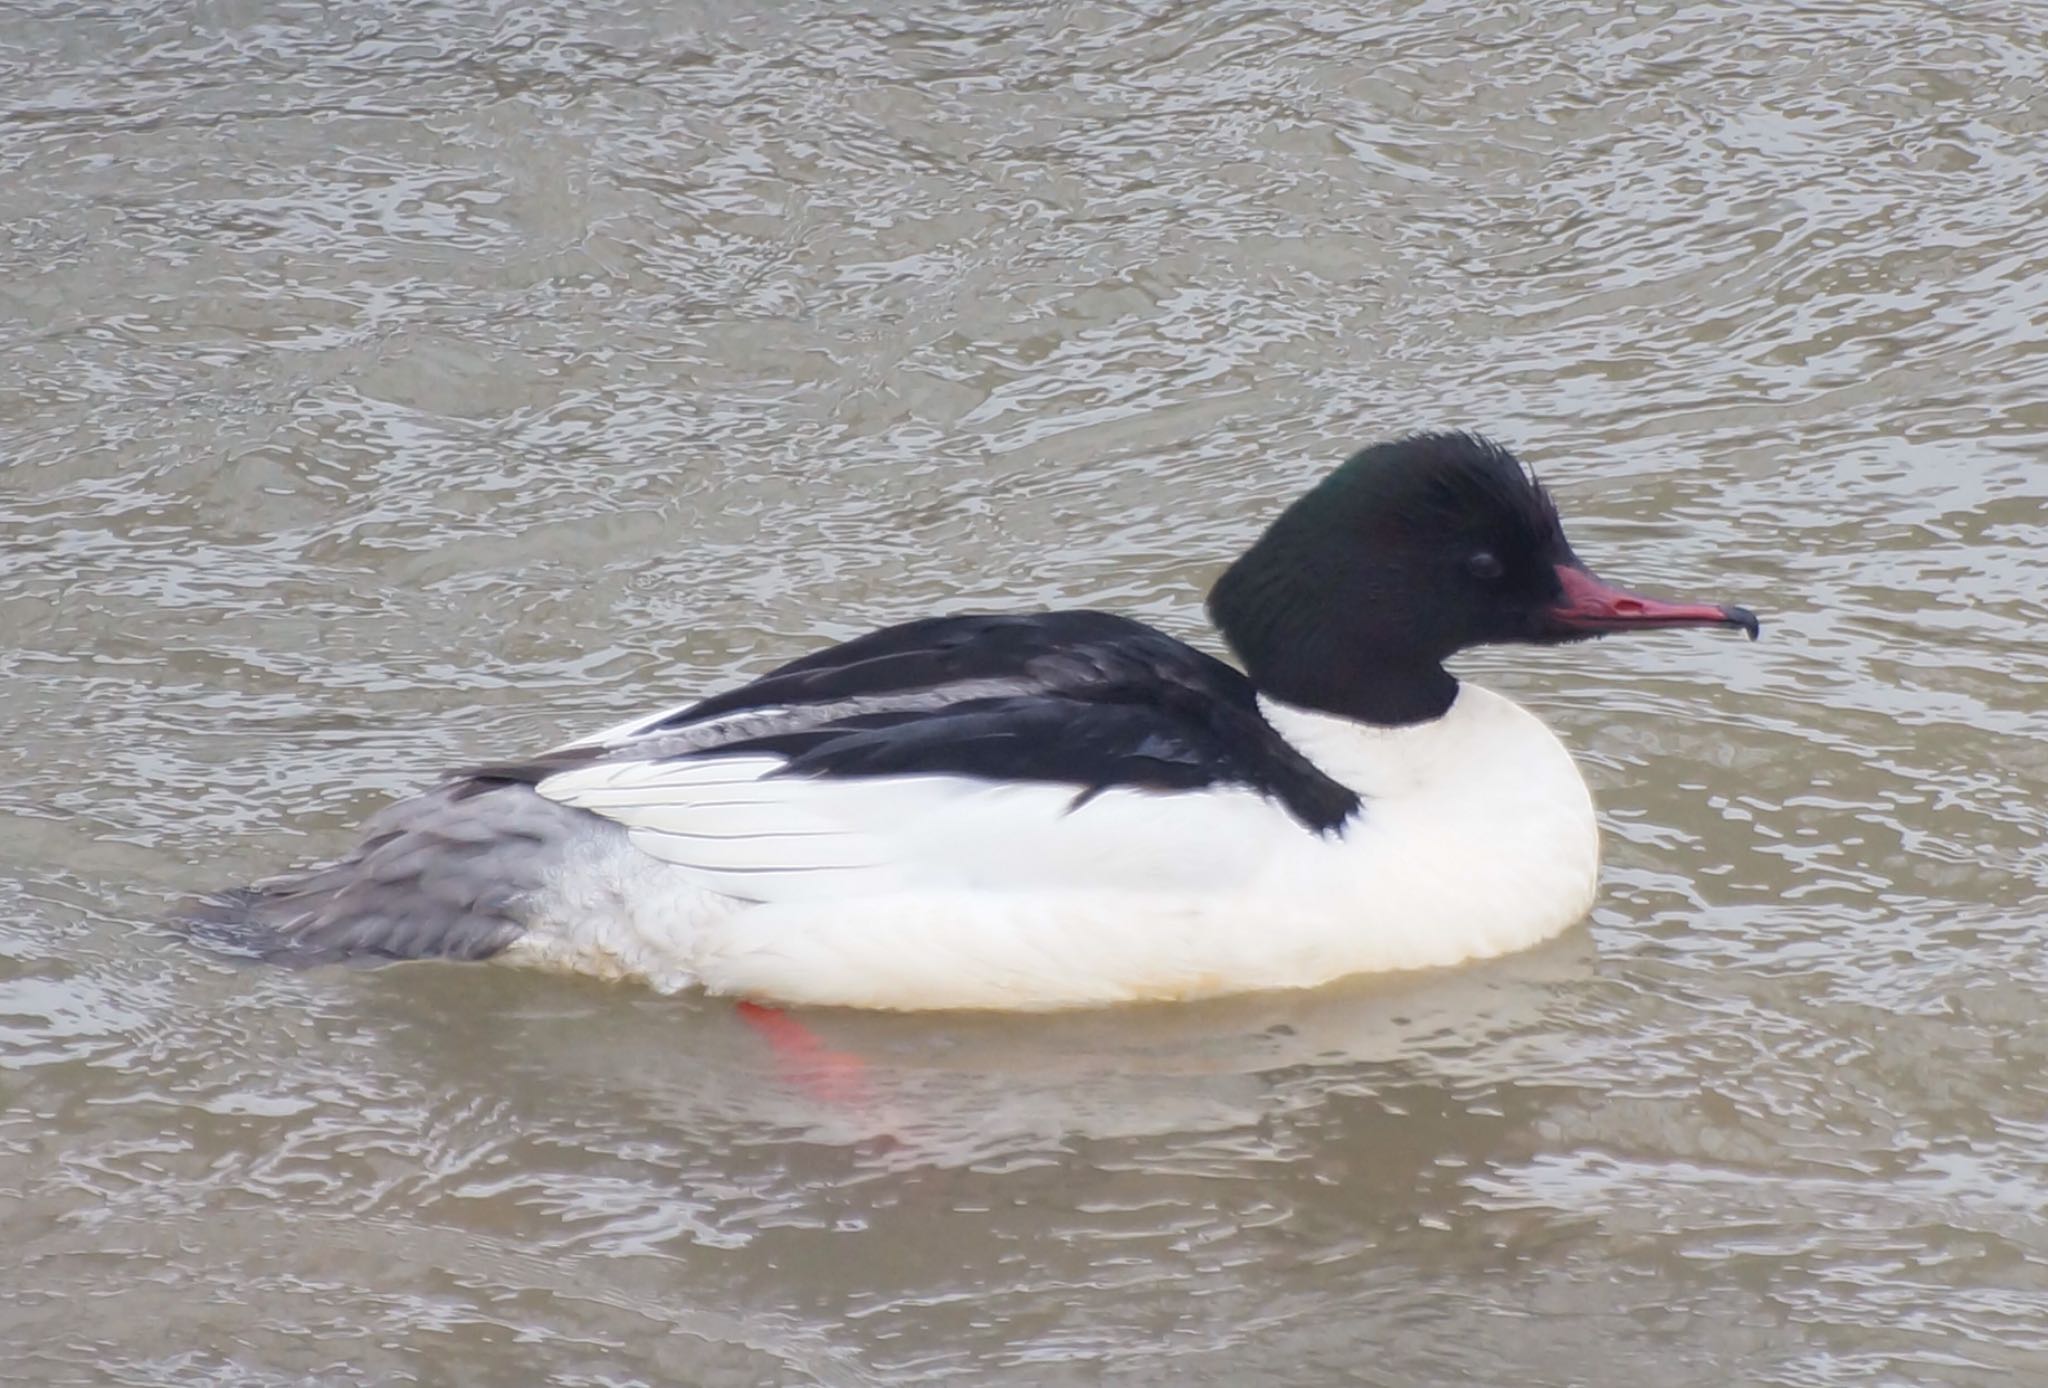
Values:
[(1086, 699)]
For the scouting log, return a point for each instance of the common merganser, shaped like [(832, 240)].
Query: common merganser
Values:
[(1051, 810)]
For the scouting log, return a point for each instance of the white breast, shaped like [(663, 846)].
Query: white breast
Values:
[(1476, 837)]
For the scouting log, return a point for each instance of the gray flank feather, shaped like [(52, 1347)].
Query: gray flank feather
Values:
[(451, 874)]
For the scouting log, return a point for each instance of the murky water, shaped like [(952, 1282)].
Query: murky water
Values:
[(385, 386)]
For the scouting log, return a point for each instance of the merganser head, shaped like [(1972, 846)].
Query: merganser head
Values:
[(1409, 552)]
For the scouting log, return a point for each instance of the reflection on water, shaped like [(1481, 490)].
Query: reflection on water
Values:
[(392, 386)]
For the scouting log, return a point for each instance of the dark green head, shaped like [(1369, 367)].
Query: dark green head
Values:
[(1409, 552)]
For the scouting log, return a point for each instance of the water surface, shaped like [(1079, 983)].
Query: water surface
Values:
[(389, 386)]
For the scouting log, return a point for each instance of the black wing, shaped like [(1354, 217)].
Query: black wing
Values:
[(1086, 699)]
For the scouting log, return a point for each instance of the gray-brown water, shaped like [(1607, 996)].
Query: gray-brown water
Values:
[(385, 386)]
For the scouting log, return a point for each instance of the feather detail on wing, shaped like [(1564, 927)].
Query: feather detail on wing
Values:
[(1083, 699), (743, 829), (742, 832), (1022, 753)]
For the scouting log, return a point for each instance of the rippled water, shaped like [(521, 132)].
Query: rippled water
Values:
[(386, 386)]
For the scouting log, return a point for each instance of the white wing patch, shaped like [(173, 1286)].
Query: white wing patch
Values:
[(623, 732), (745, 832)]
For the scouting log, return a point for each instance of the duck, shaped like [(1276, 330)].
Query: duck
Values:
[(1033, 811)]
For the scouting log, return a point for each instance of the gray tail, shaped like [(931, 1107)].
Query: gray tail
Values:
[(451, 874)]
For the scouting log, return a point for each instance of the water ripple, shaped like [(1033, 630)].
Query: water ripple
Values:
[(394, 386)]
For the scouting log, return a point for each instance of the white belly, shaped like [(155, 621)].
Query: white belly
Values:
[(968, 950)]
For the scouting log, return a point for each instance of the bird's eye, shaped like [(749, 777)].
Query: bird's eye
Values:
[(1484, 564)]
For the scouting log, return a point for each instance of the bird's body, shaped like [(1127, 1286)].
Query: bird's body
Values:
[(944, 891), (1048, 810)]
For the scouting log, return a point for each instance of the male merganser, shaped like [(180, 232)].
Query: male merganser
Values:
[(1056, 809)]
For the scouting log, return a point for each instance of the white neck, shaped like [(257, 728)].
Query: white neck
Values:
[(1476, 835)]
